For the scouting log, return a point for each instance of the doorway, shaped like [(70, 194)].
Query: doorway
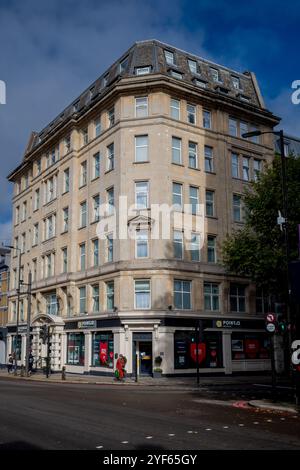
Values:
[(142, 348), (145, 355)]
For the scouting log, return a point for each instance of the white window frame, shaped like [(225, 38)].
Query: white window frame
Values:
[(176, 194), (141, 240), (143, 147), (141, 106), (169, 57), (96, 165), (176, 149), (110, 161), (192, 199), (209, 158), (178, 241), (191, 112), (142, 70), (175, 109), (145, 291), (141, 189), (83, 214), (83, 174), (193, 152), (192, 66)]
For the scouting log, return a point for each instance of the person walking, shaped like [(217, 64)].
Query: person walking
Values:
[(30, 363), (10, 364), (120, 368)]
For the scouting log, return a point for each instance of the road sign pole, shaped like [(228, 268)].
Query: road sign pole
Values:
[(273, 369)]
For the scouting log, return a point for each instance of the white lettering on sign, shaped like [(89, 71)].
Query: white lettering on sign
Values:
[(231, 323), (2, 92), (296, 353), (296, 93)]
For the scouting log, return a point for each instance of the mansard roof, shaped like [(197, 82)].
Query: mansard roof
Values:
[(151, 53)]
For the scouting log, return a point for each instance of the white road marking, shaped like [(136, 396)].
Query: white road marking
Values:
[(171, 435), (256, 422), (149, 437), (190, 432), (225, 427), (282, 419), (99, 447), (124, 442), (207, 429), (241, 425)]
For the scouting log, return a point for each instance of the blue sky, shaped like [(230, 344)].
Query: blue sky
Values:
[(51, 51)]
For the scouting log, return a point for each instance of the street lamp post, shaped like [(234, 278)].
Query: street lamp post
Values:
[(18, 303), (28, 324)]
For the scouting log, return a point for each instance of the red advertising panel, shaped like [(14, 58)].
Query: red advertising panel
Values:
[(201, 352), (103, 352), (252, 348)]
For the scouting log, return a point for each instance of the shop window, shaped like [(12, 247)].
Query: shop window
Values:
[(17, 346), (75, 349), (103, 350), (246, 346), (210, 350)]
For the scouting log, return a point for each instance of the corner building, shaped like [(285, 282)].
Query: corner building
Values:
[(160, 126)]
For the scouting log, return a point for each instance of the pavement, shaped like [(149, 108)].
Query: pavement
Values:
[(254, 391), (189, 382), (44, 415)]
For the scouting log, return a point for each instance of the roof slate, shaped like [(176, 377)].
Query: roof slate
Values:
[(151, 53)]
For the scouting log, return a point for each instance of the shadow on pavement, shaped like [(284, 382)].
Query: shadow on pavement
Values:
[(18, 445)]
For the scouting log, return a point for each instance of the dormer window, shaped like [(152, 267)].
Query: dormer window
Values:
[(245, 98), (76, 106), (215, 74), (169, 56), (236, 83), (200, 83), (192, 66), (223, 90), (142, 70), (175, 74), (124, 65), (105, 80)]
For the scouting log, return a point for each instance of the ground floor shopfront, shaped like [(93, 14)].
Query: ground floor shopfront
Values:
[(225, 345)]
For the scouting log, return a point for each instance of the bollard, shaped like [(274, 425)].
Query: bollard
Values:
[(63, 373), (22, 371)]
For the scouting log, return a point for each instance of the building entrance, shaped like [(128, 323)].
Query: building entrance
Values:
[(142, 349)]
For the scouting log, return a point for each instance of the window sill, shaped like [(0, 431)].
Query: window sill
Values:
[(81, 228), (192, 168), (109, 171), (95, 222), (95, 178), (49, 239), (139, 163), (178, 164), (210, 172), (82, 186)]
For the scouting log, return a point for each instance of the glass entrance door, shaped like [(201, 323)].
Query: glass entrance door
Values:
[(145, 354)]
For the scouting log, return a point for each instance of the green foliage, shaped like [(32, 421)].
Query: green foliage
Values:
[(257, 250)]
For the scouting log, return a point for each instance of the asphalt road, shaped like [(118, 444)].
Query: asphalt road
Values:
[(63, 416)]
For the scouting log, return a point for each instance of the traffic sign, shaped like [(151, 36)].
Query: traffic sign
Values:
[(271, 327), (270, 317)]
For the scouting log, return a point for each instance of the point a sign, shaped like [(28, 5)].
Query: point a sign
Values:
[(296, 352)]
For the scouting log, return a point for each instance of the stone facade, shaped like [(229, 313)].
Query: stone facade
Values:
[(171, 133)]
